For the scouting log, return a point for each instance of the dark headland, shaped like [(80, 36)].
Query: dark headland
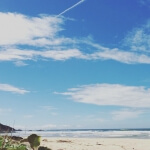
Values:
[(4, 128)]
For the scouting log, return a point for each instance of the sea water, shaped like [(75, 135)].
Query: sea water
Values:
[(89, 133)]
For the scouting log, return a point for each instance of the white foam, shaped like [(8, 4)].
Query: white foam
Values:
[(87, 134)]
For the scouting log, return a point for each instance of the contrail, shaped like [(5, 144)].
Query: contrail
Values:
[(71, 7)]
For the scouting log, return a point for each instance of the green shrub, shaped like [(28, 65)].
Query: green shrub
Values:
[(16, 143), (6, 143), (34, 141)]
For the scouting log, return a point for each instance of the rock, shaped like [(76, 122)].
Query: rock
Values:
[(4, 128), (45, 140), (16, 138), (44, 148)]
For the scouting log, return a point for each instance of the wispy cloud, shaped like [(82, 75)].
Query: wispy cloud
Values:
[(18, 55), (10, 88), (126, 114), (20, 63), (144, 2), (25, 38), (75, 5), (139, 38), (110, 94)]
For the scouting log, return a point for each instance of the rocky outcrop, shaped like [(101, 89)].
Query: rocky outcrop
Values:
[(4, 128)]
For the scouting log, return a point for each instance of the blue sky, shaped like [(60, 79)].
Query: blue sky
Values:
[(75, 64)]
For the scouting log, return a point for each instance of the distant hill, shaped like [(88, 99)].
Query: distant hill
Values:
[(4, 128)]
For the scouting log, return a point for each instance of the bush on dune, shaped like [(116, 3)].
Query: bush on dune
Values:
[(31, 143), (6, 143), (34, 141)]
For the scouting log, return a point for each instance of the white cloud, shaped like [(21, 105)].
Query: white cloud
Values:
[(120, 56), (104, 53), (62, 54), (126, 114), (139, 38), (10, 88), (19, 56), (38, 38), (20, 63), (111, 94), (20, 29)]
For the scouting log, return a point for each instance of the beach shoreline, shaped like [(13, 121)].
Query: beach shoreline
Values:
[(63, 143)]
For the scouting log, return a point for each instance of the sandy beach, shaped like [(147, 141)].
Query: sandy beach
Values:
[(96, 144)]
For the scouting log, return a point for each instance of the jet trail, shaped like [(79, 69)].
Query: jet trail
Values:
[(71, 7)]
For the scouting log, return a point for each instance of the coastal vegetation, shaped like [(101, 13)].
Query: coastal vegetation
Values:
[(32, 142), (8, 143)]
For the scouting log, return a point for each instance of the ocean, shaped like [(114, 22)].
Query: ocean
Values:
[(89, 133)]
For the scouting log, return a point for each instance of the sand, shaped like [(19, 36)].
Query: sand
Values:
[(96, 144)]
